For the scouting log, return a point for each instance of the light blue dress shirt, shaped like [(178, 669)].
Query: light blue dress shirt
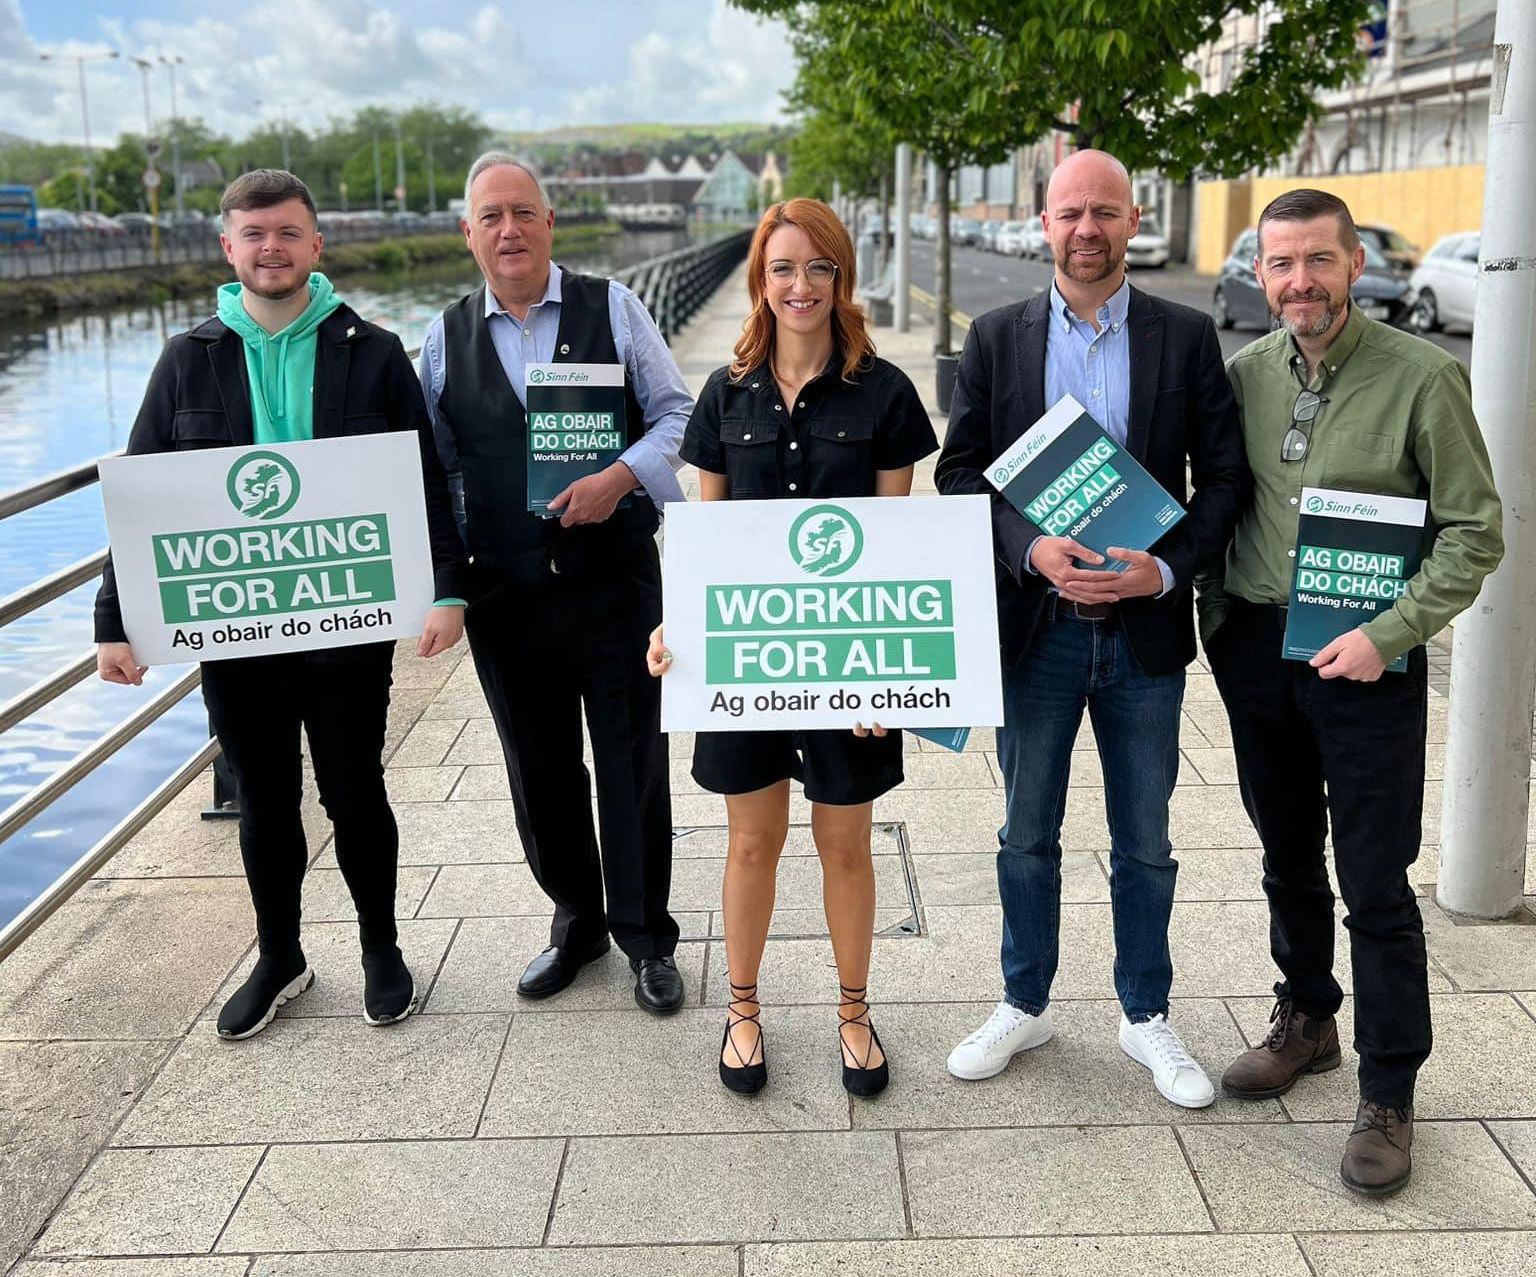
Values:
[(649, 370), (1095, 369)]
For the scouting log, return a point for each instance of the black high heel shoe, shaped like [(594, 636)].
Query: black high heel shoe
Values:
[(859, 1078), (745, 1078)]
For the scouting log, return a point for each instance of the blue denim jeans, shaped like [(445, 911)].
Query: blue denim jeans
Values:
[(1135, 717)]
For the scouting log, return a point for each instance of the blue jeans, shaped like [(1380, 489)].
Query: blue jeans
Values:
[(1136, 724)]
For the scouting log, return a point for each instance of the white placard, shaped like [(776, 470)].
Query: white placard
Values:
[(809, 614), (225, 552)]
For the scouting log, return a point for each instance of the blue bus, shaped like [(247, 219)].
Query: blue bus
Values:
[(18, 215)]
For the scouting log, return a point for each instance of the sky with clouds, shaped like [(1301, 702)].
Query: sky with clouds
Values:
[(521, 65)]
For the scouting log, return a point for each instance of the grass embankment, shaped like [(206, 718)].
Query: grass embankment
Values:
[(65, 293)]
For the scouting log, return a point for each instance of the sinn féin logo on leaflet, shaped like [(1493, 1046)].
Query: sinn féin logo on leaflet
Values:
[(826, 541), (263, 485), (1314, 505)]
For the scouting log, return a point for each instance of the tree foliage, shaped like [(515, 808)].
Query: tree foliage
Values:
[(979, 77)]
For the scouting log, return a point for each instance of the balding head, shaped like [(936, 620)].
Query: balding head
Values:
[(1089, 218)]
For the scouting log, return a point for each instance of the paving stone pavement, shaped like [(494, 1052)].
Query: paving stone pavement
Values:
[(490, 1138)]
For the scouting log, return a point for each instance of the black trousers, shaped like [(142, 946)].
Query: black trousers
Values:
[(1309, 750), (257, 706), (543, 652)]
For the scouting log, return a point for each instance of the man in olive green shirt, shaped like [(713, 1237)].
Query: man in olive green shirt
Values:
[(1333, 399)]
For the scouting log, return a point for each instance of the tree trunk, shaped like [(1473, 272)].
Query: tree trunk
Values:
[(885, 226), (941, 331)]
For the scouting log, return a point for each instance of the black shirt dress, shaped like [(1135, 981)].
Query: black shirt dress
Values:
[(828, 444)]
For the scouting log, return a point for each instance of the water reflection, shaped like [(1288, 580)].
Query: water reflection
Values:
[(69, 391)]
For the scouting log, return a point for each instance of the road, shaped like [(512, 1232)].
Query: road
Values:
[(982, 281)]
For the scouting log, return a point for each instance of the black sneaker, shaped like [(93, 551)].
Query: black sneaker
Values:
[(389, 991), (273, 982)]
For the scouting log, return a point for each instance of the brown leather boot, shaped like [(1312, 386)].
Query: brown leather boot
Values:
[(1376, 1155), (1297, 1043)]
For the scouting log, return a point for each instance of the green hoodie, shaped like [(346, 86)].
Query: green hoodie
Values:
[(282, 365)]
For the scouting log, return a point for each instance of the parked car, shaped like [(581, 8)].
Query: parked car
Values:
[(1380, 292), (1011, 239), (1149, 246), (53, 220), (964, 230), (1446, 283), (1035, 242), (1392, 245), (986, 237), (100, 224)]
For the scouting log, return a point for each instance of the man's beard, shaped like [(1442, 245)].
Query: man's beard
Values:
[(1084, 274), (254, 285), (1332, 308)]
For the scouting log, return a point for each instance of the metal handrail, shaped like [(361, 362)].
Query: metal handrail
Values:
[(51, 587), (94, 755), (83, 870), (50, 488), (44, 690)]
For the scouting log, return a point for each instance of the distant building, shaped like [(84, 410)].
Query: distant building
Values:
[(730, 187)]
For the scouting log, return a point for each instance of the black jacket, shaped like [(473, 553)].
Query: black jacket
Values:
[(199, 397), (1181, 407)]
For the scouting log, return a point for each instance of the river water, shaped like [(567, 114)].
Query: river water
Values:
[(69, 391)]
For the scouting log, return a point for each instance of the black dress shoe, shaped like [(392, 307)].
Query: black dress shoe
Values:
[(555, 968), (658, 985)]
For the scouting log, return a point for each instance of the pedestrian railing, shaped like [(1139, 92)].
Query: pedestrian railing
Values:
[(672, 286)]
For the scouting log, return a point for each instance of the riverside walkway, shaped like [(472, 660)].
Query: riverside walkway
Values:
[(486, 1137)]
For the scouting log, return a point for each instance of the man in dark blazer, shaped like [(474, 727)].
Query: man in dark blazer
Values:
[(283, 361), (1074, 634)]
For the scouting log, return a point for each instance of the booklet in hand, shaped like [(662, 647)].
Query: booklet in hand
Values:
[(1069, 478), (1355, 554), (575, 426)]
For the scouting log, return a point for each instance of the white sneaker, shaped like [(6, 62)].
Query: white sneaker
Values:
[(1007, 1032), (1154, 1045)]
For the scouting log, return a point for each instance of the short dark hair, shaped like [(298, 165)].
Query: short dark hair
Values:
[(1303, 205), (262, 188)]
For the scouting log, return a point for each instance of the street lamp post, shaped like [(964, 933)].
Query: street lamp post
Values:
[(85, 111), (378, 173), (151, 149), (399, 169), (171, 63)]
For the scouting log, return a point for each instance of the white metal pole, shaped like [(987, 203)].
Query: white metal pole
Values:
[(1493, 669), (902, 314)]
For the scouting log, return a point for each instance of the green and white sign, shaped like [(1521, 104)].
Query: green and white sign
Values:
[(1355, 554), (807, 614), (575, 426), (228, 552)]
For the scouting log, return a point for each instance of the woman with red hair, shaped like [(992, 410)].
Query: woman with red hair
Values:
[(806, 410)]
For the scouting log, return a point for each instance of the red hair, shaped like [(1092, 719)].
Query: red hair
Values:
[(830, 239)]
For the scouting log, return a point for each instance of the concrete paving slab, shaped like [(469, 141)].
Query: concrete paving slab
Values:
[(972, 879), (942, 822), (459, 833), (948, 771), (728, 1188), (1080, 1077), (427, 743), (405, 706), (151, 1201), (566, 1261), (1124, 1180), (1373, 1254), (1214, 765), (420, 784), (334, 954), (162, 1266), (626, 1073), (1274, 1255), (1483, 1064), (59, 1101), (1481, 956), (1259, 1179), (326, 898), (126, 959), (1519, 1143), (484, 890), (477, 744), (1218, 873), (178, 843), (402, 1195), (323, 1079), (488, 781), (488, 955), (458, 702)]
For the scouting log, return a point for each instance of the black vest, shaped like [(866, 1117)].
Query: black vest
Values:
[(487, 429)]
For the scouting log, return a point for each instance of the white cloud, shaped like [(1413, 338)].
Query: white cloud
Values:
[(329, 57)]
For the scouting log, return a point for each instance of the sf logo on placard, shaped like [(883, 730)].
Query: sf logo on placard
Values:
[(263, 485), (825, 541)]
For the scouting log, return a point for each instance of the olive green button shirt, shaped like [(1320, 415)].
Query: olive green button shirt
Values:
[(1397, 421)]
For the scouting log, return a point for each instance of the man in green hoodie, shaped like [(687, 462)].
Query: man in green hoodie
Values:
[(285, 361)]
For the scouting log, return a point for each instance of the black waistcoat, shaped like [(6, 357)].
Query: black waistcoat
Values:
[(488, 431)]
